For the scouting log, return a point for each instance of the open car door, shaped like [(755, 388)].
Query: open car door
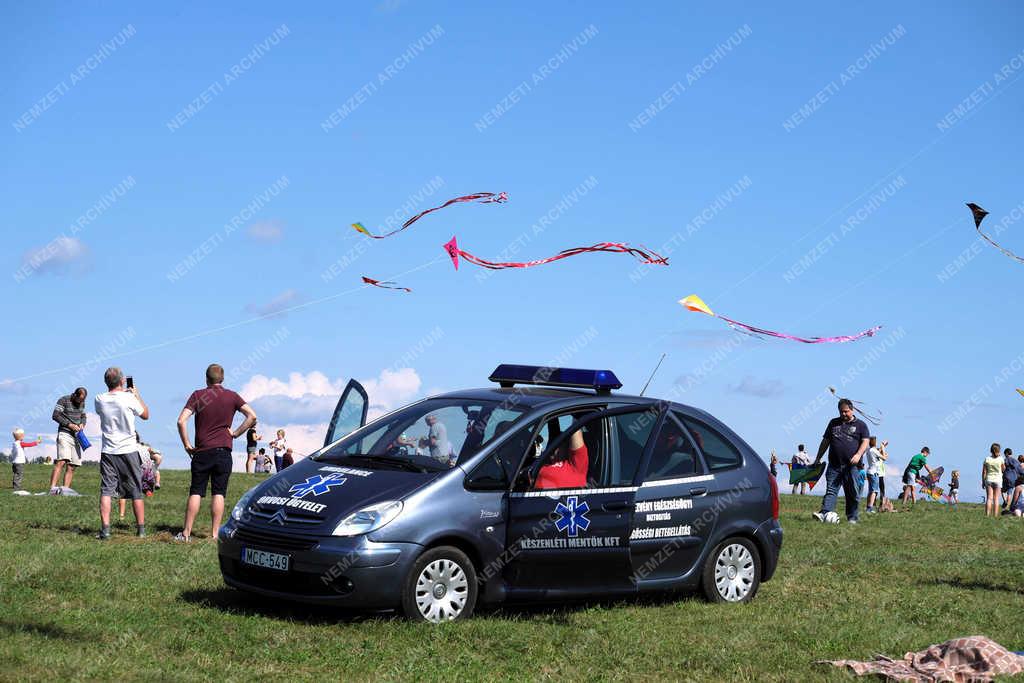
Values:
[(349, 414)]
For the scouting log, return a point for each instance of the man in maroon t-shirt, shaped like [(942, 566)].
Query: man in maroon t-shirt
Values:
[(214, 408)]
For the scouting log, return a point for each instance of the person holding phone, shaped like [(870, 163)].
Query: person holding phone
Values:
[(120, 466)]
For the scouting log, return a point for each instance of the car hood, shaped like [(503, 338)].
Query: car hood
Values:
[(311, 496)]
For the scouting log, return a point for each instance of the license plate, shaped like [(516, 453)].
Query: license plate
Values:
[(265, 559)]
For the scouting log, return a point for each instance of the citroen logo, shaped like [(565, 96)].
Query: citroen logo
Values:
[(278, 517)]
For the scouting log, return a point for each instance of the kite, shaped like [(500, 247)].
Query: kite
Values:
[(979, 215), (805, 474), (932, 480), (384, 284), (644, 255), (482, 197), (694, 303), (1021, 392), (873, 419)]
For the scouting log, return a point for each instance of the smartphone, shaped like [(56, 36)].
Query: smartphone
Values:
[(129, 382)]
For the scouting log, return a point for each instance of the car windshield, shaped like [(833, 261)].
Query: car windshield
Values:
[(432, 435)]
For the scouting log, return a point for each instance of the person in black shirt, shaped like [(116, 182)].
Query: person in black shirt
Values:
[(252, 440), (845, 439)]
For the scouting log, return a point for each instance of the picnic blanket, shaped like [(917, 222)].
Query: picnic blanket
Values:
[(963, 660)]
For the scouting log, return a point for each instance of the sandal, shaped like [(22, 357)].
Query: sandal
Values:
[(182, 538)]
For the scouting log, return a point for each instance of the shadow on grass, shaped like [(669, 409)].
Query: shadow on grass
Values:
[(44, 630), (237, 602), (71, 528), (973, 584), (560, 613)]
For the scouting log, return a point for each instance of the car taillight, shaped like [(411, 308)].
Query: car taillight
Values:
[(775, 497)]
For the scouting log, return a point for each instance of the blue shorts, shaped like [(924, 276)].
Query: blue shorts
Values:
[(873, 484)]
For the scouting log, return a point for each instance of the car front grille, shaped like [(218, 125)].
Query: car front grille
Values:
[(272, 541)]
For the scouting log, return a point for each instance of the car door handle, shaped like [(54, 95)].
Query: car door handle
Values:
[(699, 491), (617, 506)]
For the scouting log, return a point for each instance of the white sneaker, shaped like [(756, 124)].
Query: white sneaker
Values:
[(818, 516)]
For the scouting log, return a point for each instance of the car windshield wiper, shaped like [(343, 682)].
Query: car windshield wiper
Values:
[(384, 460)]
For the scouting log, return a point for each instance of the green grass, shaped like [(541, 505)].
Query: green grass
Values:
[(73, 607)]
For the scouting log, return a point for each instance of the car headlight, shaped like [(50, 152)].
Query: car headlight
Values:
[(242, 504), (369, 518)]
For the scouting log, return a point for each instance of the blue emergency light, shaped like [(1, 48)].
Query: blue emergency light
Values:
[(510, 375)]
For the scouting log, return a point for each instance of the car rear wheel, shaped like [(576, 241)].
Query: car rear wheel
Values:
[(732, 572), (440, 587)]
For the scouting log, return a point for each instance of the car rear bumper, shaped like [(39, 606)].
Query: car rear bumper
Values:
[(346, 572)]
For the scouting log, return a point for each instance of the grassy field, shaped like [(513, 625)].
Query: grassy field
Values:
[(73, 607)]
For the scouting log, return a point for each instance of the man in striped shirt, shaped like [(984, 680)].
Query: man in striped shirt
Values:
[(69, 414)]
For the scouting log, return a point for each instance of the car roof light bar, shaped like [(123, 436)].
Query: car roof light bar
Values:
[(603, 381)]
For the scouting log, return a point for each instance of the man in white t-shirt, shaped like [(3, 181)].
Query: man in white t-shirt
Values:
[(120, 466), (801, 457)]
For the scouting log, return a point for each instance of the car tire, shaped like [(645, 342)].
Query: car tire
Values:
[(441, 586), (732, 572)]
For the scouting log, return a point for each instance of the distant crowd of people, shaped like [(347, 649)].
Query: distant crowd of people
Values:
[(857, 464)]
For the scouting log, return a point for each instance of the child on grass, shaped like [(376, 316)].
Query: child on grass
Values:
[(18, 458), (151, 460), (280, 446), (954, 484)]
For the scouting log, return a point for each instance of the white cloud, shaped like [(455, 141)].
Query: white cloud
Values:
[(266, 231), (63, 255), (309, 399), (279, 305), (9, 386), (306, 409), (390, 390)]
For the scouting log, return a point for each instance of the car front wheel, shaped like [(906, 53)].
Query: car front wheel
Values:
[(732, 572), (440, 587)]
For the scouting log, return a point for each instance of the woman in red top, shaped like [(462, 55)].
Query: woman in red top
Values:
[(568, 467)]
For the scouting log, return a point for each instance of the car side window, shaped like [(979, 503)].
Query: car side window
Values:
[(495, 473), (719, 453), (585, 458), (630, 433), (673, 455)]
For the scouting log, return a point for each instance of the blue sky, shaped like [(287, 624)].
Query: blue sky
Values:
[(631, 124)]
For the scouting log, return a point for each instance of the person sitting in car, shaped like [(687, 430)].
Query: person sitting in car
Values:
[(567, 466)]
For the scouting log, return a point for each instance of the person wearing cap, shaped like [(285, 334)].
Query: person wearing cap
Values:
[(69, 414)]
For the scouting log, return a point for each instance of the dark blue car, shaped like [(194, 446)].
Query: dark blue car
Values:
[(546, 487)]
